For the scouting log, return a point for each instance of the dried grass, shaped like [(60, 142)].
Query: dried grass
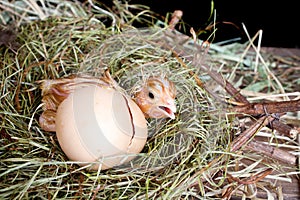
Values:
[(183, 158)]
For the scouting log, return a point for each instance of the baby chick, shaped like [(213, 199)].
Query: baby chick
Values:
[(156, 98)]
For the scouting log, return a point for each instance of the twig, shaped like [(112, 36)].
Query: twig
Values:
[(252, 179), (272, 152), (239, 141), (245, 181), (176, 16), (284, 129), (256, 109), (226, 85)]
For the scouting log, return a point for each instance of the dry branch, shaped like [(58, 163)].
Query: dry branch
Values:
[(272, 152), (256, 109)]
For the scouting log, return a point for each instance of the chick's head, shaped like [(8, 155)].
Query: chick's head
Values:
[(156, 98)]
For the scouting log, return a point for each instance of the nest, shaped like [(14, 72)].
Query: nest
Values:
[(183, 158)]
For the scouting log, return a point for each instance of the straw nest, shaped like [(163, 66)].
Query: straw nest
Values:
[(183, 158)]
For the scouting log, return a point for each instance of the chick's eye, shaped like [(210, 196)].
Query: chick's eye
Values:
[(151, 95)]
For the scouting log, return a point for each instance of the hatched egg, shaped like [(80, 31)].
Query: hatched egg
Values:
[(98, 124)]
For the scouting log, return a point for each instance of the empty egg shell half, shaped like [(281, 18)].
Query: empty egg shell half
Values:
[(101, 125)]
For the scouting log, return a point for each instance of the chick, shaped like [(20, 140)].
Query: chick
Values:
[(156, 98)]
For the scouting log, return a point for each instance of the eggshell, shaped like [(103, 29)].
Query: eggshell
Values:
[(102, 125)]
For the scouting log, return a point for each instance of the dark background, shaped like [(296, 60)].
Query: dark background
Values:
[(279, 20)]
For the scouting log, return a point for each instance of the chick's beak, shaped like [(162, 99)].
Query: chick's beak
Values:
[(169, 109)]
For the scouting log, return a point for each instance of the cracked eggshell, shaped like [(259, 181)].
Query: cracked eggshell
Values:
[(95, 124)]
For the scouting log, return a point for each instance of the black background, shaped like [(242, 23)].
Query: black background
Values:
[(279, 20)]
